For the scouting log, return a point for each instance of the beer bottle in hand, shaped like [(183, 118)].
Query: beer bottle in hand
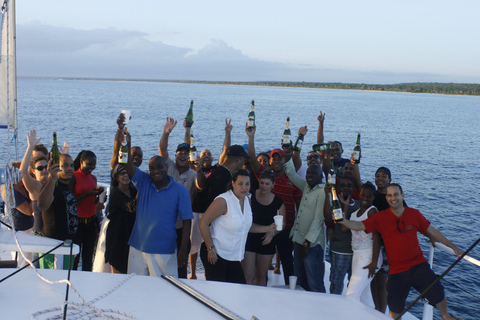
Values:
[(251, 116), (336, 207), (332, 177), (287, 133), (299, 142), (193, 149), (54, 153), (123, 152), (189, 117), (357, 151)]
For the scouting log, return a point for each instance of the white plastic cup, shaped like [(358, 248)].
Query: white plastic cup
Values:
[(127, 114), (279, 222), (103, 196), (292, 282)]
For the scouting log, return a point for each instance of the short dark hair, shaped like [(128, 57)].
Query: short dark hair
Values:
[(396, 185), (347, 178), (266, 174), (41, 148)]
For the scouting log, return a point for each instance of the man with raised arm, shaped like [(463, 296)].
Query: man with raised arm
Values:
[(308, 231), (136, 152), (58, 204), (180, 171), (285, 189), (398, 226), (153, 248)]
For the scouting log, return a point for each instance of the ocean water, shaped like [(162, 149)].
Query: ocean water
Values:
[(429, 142)]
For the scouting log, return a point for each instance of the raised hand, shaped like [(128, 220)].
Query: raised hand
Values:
[(65, 148), (321, 117), (302, 130), (169, 125), (32, 138), (228, 125)]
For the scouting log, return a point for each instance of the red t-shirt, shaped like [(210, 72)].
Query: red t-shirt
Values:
[(400, 237), (85, 182), (289, 193)]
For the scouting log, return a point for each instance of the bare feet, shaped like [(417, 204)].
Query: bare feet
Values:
[(276, 271), (193, 276)]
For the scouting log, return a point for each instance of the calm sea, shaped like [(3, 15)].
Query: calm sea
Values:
[(429, 142)]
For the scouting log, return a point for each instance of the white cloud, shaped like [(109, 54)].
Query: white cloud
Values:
[(48, 51)]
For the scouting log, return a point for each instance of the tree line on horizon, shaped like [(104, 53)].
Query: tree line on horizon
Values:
[(418, 87)]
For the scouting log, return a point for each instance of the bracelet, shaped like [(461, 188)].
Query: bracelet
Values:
[(211, 248)]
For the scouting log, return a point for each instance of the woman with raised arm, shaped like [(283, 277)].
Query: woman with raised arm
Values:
[(122, 209), (86, 193), (224, 227), (260, 247), (34, 176)]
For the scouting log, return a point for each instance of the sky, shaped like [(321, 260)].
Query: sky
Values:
[(381, 42)]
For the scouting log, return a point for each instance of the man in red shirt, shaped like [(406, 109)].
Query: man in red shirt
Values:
[(398, 226)]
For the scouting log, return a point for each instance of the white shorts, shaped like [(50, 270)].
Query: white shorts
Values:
[(149, 264)]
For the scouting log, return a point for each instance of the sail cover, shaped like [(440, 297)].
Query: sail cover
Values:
[(8, 91)]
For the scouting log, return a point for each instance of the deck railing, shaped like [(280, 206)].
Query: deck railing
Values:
[(428, 309)]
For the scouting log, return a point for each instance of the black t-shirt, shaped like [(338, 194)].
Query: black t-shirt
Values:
[(60, 221)]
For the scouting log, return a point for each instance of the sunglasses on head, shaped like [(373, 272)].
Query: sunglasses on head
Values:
[(41, 168)]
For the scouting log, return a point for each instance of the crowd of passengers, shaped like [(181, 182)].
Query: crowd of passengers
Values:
[(159, 219)]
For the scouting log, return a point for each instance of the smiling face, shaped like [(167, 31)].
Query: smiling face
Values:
[(66, 167), (313, 158), (40, 170), (366, 197), (348, 170), (158, 170), (314, 175), (276, 163), (241, 186), (88, 165), (395, 197), (207, 158), (382, 180), (122, 178), (264, 161), (336, 151), (182, 159), (137, 156)]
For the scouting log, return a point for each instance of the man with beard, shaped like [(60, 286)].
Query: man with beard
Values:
[(181, 173)]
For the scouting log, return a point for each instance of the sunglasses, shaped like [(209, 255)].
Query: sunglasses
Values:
[(41, 168), (315, 156)]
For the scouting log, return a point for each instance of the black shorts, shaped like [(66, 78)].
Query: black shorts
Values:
[(254, 244), (419, 277)]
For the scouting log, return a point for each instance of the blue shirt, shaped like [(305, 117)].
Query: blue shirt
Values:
[(157, 211)]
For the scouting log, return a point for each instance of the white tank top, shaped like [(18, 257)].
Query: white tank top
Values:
[(360, 239), (229, 231)]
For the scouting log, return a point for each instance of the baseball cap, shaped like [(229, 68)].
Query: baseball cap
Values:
[(183, 146), (280, 152), (237, 151)]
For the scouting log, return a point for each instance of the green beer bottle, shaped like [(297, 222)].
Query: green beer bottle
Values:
[(251, 116), (189, 117), (54, 153), (357, 151)]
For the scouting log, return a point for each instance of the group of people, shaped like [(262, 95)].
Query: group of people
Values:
[(226, 211)]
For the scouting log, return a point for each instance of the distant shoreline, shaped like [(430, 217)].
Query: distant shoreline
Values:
[(466, 89)]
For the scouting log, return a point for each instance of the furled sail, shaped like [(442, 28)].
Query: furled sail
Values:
[(8, 73)]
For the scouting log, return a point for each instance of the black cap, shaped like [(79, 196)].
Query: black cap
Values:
[(237, 151), (384, 170), (183, 146)]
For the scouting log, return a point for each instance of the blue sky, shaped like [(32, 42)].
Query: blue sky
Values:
[(326, 41)]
